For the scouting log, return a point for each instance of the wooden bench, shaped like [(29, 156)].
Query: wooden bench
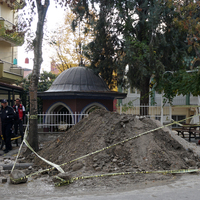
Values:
[(192, 129), (183, 129)]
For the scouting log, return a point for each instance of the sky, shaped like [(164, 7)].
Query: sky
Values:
[(55, 18)]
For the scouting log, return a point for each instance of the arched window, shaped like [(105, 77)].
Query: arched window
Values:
[(59, 113)]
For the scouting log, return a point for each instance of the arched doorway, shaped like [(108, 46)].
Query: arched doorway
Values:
[(58, 116), (91, 107)]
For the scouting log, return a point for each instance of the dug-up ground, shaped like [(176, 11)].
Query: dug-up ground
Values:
[(157, 150)]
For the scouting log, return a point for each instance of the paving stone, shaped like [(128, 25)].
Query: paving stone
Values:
[(18, 176)]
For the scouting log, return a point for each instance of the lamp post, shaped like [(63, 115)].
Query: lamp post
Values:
[(170, 109)]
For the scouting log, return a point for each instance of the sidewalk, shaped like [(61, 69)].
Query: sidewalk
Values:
[(12, 152), (7, 161)]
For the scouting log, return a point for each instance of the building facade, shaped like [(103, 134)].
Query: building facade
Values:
[(10, 39), (182, 107)]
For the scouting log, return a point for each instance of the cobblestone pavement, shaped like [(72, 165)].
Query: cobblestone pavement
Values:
[(187, 187)]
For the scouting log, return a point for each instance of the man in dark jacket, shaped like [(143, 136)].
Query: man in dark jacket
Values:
[(7, 117)]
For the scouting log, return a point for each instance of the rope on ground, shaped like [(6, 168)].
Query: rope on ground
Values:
[(27, 144), (48, 162), (128, 139), (19, 149), (66, 182)]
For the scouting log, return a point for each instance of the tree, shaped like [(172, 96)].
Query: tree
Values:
[(153, 45), (37, 8), (103, 51), (139, 34), (187, 22), (42, 8), (45, 81), (69, 42)]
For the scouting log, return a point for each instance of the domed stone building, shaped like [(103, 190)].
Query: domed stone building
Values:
[(78, 90)]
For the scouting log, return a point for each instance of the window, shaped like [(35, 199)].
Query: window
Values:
[(178, 118)]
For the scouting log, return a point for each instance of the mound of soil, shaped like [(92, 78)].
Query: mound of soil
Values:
[(154, 151)]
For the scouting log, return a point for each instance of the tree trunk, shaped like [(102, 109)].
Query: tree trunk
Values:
[(37, 43), (144, 97)]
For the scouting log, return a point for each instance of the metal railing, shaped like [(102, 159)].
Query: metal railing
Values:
[(7, 24), (15, 4), (10, 32), (11, 68), (160, 113), (56, 122)]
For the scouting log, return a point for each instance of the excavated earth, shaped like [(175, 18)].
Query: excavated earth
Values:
[(156, 150)]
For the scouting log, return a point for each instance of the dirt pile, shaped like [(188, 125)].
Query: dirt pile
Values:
[(155, 151)]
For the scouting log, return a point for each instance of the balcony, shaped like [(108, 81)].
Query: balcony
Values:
[(10, 73), (19, 4), (10, 34), (14, 4)]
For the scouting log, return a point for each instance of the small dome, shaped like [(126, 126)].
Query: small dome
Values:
[(78, 79)]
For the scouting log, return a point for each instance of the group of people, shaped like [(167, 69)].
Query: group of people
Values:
[(11, 116)]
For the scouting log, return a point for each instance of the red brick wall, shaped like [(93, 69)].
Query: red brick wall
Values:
[(77, 105)]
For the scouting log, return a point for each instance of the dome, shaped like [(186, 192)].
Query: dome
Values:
[(80, 79)]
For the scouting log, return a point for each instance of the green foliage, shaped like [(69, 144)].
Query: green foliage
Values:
[(45, 81), (189, 21), (12, 35), (153, 45), (69, 41), (127, 106), (180, 82), (144, 36), (182, 79), (103, 50)]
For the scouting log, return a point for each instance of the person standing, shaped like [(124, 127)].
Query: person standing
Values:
[(20, 115), (7, 118)]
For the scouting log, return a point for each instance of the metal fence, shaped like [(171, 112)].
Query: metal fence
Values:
[(7, 24), (56, 122), (163, 114), (60, 122)]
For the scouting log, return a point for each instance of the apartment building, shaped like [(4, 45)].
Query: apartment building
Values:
[(10, 39)]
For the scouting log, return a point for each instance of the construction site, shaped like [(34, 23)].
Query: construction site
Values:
[(107, 151)]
